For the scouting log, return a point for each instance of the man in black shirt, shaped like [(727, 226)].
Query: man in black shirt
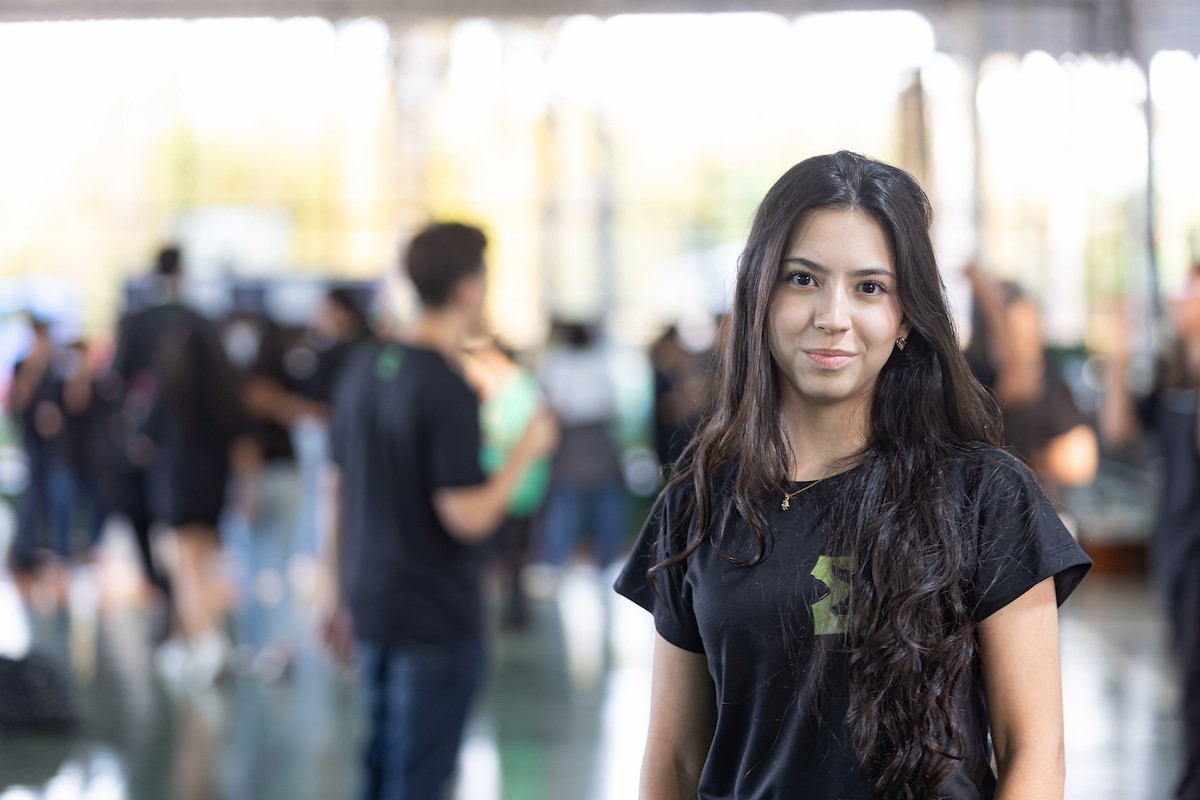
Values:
[(410, 504)]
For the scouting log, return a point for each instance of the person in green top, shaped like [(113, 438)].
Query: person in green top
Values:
[(510, 395)]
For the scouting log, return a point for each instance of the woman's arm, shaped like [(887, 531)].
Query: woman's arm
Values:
[(682, 719), (1023, 681)]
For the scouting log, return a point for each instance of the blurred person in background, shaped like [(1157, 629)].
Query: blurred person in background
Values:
[(854, 589), (338, 327), (510, 397), (681, 391), (94, 454), (39, 398), (133, 386), (670, 431), (1170, 412), (587, 485), (410, 507), (260, 524), (1043, 425), (193, 432)]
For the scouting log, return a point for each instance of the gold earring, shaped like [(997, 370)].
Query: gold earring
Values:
[(902, 343)]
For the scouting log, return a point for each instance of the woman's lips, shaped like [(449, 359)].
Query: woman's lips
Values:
[(829, 359)]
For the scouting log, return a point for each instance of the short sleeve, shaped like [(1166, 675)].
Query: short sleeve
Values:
[(452, 418), (669, 597), (1021, 540)]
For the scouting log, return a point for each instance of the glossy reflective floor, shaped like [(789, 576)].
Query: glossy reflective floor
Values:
[(563, 717)]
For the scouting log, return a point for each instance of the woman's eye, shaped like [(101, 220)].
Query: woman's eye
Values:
[(801, 279), (872, 287)]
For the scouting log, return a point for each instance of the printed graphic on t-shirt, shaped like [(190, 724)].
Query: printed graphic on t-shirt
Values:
[(829, 571)]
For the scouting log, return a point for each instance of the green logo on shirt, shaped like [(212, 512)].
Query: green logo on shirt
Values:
[(825, 619), (388, 363)]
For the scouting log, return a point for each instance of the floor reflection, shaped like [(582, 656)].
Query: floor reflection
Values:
[(563, 716)]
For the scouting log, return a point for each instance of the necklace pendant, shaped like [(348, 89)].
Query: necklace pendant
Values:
[(786, 504)]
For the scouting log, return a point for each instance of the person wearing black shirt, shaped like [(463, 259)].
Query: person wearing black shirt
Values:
[(1171, 414), (854, 588), (339, 326), (177, 422), (410, 506), (194, 428), (260, 522), (38, 401), (1043, 425), (131, 387)]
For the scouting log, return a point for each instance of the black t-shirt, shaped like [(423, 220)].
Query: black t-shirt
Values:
[(139, 336), (1029, 427), (49, 390), (268, 364), (140, 333), (1174, 416), (330, 361), (757, 625), (405, 424)]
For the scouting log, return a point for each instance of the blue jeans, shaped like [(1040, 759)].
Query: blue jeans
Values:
[(567, 511), (418, 697), (310, 441), (264, 545), (49, 497)]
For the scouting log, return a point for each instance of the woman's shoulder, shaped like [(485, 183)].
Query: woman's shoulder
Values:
[(683, 484), (675, 499), (989, 459), (983, 471), (677, 502)]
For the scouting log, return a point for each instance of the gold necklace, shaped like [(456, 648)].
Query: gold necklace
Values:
[(787, 498)]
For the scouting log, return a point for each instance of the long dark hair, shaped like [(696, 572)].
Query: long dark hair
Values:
[(911, 638)]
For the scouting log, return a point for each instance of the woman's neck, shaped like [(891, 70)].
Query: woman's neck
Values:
[(822, 437)]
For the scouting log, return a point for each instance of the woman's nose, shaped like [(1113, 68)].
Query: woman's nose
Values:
[(832, 315)]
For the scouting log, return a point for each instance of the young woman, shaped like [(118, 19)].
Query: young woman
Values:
[(854, 589)]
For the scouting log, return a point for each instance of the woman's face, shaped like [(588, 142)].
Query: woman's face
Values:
[(835, 313)]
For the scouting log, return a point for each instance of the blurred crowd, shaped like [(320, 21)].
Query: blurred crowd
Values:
[(201, 435), (210, 440)]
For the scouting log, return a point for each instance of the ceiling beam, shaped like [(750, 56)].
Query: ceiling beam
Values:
[(973, 27), (13, 10)]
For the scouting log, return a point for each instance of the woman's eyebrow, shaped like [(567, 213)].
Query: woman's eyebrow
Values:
[(869, 272)]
